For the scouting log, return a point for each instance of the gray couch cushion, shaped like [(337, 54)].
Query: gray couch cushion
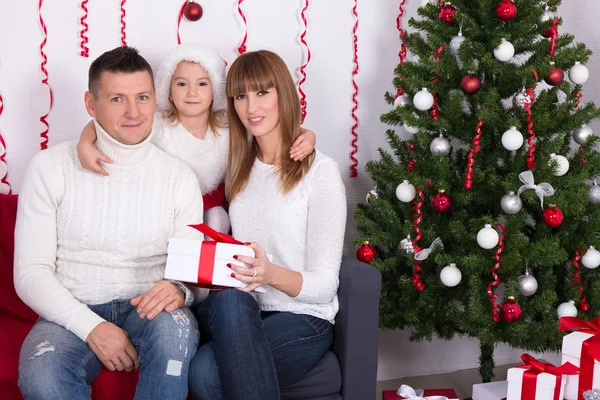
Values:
[(323, 381)]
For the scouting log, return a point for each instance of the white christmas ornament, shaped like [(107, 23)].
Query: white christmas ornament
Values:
[(562, 164), (567, 309), (406, 192), (440, 145), (511, 203), (581, 134), (487, 237), (594, 193), (546, 16), (450, 275), (505, 51), (423, 100), (411, 129), (578, 73), (402, 100), (456, 42), (591, 258), (512, 139)]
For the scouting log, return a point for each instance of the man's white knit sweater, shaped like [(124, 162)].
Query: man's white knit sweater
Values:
[(83, 239), (303, 230)]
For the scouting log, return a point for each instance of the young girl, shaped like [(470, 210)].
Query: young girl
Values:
[(191, 125)]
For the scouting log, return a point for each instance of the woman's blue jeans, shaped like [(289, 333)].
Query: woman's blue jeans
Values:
[(56, 364), (251, 354)]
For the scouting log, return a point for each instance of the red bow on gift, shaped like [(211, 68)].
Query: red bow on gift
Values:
[(215, 235), (534, 368), (590, 349)]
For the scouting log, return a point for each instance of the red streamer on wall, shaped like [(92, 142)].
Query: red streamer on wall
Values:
[(242, 48), (3, 179), (85, 51), (418, 202), (123, 25), (303, 67), (402, 52), (583, 304), (435, 114), (553, 35), (496, 317), (470, 161), (353, 167), (179, 19), (44, 135), (529, 120)]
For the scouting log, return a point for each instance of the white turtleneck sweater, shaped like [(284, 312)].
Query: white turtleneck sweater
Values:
[(83, 239), (303, 230)]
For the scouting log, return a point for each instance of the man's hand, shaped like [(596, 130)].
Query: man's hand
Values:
[(112, 346), (162, 296)]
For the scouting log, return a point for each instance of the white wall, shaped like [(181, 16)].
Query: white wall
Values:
[(272, 24)]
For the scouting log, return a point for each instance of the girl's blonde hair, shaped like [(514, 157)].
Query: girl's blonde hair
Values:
[(253, 72)]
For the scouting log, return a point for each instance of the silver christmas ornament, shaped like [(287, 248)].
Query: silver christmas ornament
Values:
[(594, 192), (511, 203), (402, 100), (546, 16), (521, 99), (593, 394), (440, 145), (406, 245), (581, 134), (456, 42), (527, 283), (372, 195)]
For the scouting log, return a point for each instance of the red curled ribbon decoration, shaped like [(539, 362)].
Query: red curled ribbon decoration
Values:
[(402, 52), (44, 135), (579, 96), (435, 113), (417, 218), (85, 51), (179, 19), (553, 35), (303, 67), (242, 48), (529, 120), (583, 304), (493, 296), (354, 166), (123, 25), (3, 179), (470, 161), (411, 163)]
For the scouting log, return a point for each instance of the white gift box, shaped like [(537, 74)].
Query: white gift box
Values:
[(571, 352), (204, 263), (545, 385), (490, 390)]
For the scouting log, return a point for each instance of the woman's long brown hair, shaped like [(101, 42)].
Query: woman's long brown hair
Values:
[(253, 72)]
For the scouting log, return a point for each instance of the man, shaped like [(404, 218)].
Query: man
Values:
[(90, 250)]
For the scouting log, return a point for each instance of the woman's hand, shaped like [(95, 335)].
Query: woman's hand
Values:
[(261, 272)]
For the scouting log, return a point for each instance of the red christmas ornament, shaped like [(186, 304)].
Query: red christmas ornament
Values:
[(552, 216), (470, 84), (511, 310), (441, 202), (366, 253), (447, 13), (506, 10), (192, 11), (555, 76)]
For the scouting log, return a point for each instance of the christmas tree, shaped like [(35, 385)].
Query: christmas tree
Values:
[(482, 222)]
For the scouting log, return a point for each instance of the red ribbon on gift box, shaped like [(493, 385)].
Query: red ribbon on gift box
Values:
[(590, 349), (207, 253), (534, 368)]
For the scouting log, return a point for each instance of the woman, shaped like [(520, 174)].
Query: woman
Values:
[(294, 211)]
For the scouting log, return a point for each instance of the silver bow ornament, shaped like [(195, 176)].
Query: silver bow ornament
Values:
[(423, 254), (542, 190), (408, 393)]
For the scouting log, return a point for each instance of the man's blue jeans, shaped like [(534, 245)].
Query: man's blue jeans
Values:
[(252, 353), (56, 364)]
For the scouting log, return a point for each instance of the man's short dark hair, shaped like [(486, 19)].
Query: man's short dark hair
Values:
[(122, 59)]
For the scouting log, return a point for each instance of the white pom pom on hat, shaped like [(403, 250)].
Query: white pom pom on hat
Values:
[(207, 57)]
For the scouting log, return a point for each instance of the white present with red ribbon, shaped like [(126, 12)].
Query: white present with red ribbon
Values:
[(537, 380), (581, 348), (204, 263)]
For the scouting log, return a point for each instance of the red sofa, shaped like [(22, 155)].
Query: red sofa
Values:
[(16, 320)]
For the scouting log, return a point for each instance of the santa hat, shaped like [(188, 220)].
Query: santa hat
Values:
[(207, 57)]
